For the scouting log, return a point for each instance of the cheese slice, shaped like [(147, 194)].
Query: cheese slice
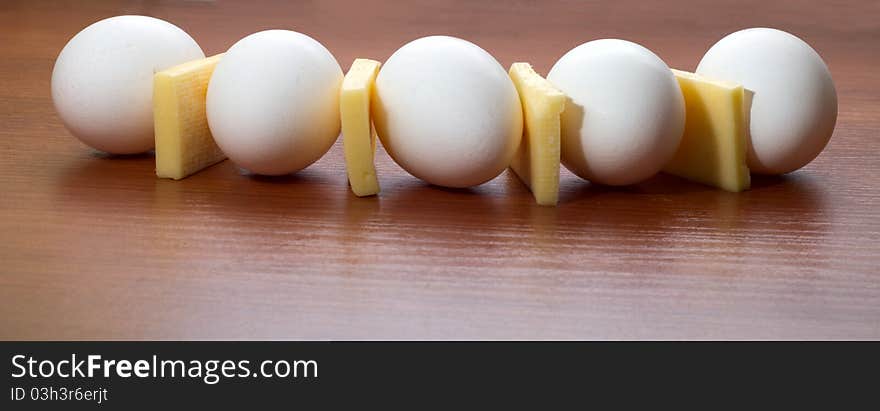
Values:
[(713, 148), (184, 144), (536, 162), (358, 136)]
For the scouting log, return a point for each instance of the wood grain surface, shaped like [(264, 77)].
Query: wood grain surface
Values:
[(95, 247)]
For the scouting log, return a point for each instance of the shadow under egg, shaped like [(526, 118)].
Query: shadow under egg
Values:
[(667, 207), (106, 182)]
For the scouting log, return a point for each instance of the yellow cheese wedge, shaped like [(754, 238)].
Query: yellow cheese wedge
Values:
[(536, 162), (184, 144), (358, 137), (713, 148)]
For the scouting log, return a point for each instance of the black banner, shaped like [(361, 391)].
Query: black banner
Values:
[(330, 375)]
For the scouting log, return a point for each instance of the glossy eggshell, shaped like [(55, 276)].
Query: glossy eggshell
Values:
[(102, 83), (625, 114), (273, 102), (447, 112), (793, 98)]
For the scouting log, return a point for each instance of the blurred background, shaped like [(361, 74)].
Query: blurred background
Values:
[(536, 31), (96, 247)]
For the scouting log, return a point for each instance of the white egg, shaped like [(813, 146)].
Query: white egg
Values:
[(625, 115), (273, 102), (447, 112), (102, 83), (794, 102)]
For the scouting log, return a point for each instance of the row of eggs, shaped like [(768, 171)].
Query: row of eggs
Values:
[(444, 108)]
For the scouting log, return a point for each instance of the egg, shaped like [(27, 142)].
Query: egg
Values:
[(447, 112), (625, 114), (273, 102), (793, 101), (102, 83)]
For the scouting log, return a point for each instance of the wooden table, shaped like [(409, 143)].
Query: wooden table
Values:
[(95, 247)]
